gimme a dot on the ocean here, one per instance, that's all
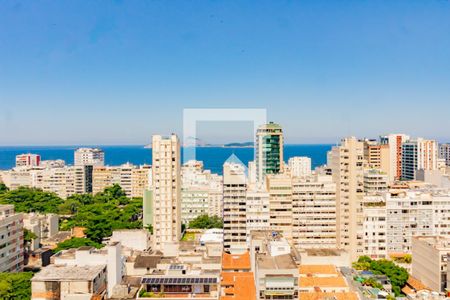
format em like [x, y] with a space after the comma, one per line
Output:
[212, 157]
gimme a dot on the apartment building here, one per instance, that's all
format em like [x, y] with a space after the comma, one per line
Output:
[89, 157]
[64, 181]
[269, 150]
[11, 239]
[418, 154]
[444, 153]
[422, 212]
[314, 212]
[429, 264]
[132, 179]
[194, 203]
[43, 226]
[375, 181]
[346, 162]
[257, 210]
[16, 178]
[377, 155]
[110, 256]
[166, 187]
[279, 187]
[234, 206]
[69, 282]
[300, 166]
[395, 142]
[28, 160]
[215, 196]
[323, 282]
[201, 192]
[141, 180]
[275, 265]
[375, 226]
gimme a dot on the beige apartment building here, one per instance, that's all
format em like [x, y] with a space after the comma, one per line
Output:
[429, 264]
[375, 181]
[377, 156]
[314, 212]
[132, 179]
[11, 239]
[347, 164]
[234, 205]
[257, 210]
[166, 177]
[279, 187]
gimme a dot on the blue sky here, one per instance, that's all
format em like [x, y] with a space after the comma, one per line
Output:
[99, 72]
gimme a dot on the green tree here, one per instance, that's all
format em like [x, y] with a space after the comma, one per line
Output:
[76, 243]
[206, 222]
[100, 214]
[15, 285]
[28, 200]
[28, 235]
[397, 275]
[3, 188]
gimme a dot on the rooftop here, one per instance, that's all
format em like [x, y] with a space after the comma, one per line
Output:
[318, 269]
[329, 296]
[323, 252]
[284, 261]
[235, 261]
[68, 273]
[147, 261]
[238, 286]
[326, 282]
[441, 243]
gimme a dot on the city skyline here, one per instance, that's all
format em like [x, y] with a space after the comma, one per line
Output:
[119, 72]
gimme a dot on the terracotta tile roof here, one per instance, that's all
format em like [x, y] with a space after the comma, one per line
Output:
[326, 296]
[236, 262]
[318, 269]
[414, 285]
[325, 282]
[238, 286]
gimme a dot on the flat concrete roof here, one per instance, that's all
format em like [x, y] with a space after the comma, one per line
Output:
[276, 262]
[68, 273]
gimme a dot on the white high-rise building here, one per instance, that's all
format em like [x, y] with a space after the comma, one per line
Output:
[166, 190]
[201, 192]
[11, 239]
[416, 213]
[418, 154]
[314, 212]
[347, 164]
[375, 226]
[28, 160]
[300, 166]
[257, 210]
[234, 205]
[89, 157]
[395, 142]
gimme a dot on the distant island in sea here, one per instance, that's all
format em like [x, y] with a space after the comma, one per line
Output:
[227, 145]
